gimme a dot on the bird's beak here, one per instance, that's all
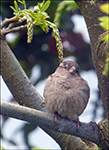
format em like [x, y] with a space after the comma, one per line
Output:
[72, 70]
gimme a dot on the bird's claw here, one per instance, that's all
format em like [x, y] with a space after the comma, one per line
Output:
[56, 116]
[78, 123]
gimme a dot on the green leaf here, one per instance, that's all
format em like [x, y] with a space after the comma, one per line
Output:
[44, 26]
[16, 5]
[45, 6]
[36, 9]
[44, 15]
[38, 17]
[104, 22]
[105, 8]
[106, 68]
[40, 5]
[12, 8]
[22, 2]
[72, 6]
[103, 18]
[106, 38]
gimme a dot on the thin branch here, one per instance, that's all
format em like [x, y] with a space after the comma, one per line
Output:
[16, 29]
[87, 131]
[13, 24]
[7, 21]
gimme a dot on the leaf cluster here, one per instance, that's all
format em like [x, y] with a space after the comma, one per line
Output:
[35, 17]
[105, 24]
[64, 6]
[105, 20]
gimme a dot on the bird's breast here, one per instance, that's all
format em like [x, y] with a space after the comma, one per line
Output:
[66, 96]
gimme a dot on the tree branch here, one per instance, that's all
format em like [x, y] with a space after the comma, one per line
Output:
[15, 29]
[17, 81]
[7, 21]
[12, 23]
[89, 131]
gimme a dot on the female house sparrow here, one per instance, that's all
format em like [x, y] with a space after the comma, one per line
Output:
[66, 92]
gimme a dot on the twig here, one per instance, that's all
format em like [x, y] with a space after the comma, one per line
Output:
[7, 21]
[16, 29]
[11, 25]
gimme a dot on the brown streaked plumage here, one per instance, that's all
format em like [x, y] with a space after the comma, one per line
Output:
[66, 93]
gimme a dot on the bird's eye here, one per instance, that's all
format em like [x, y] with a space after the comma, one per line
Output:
[65, 67]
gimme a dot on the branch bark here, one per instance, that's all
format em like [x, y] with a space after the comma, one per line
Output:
[91, 13]
[99, 50]
[89, 131]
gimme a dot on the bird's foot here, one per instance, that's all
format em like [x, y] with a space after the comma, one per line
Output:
[78, 123]
[56, 116]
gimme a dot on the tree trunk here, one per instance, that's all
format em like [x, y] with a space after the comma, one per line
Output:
[91, 13]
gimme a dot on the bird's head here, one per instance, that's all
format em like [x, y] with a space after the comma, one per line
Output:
[70, 66]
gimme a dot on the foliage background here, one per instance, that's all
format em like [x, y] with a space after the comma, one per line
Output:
[42, 51]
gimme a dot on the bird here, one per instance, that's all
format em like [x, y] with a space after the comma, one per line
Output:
[66, 93]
